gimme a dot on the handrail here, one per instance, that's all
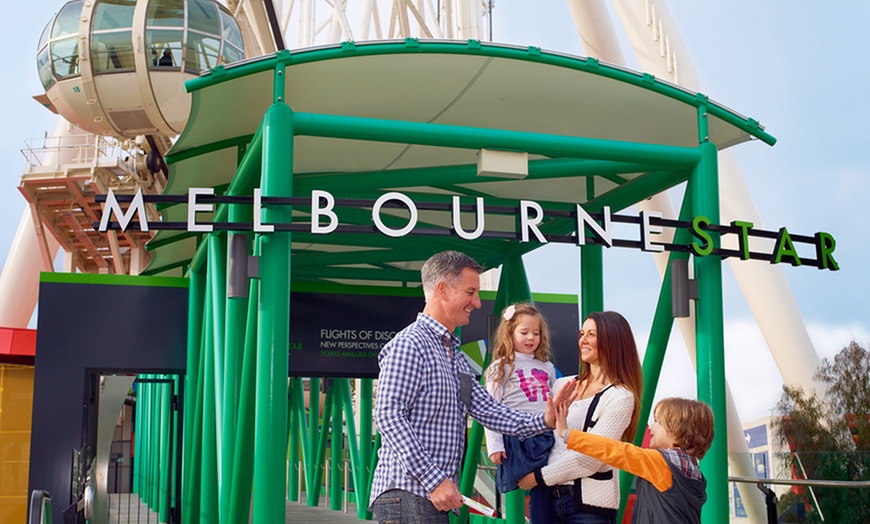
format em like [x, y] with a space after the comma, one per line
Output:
[805, 482]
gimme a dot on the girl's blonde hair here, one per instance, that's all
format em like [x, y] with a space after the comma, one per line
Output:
[503, 345]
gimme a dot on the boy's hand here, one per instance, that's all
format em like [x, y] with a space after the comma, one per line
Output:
[498, 457]
[562, 420]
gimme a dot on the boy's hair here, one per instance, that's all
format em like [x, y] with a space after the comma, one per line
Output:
[689, 421]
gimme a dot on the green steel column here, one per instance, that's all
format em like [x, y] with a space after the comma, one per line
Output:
[274, 318]
[709, 326]
[314, 422]
[513, 286]
[243, 457]
[336, 446]
[365, 445]
[217, 276]
[234, 342]
[165, 476]
[356, 468]
[208, 499]
[591, 269]
[591, 279]
[313, 491]
[137, 445]
[193, 477]
[196, 296]
[294, 439]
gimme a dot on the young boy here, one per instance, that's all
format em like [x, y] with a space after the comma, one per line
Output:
[670, 486]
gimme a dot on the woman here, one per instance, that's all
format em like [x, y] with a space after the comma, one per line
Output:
[585, 490]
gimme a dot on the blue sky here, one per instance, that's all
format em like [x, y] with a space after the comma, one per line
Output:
[798, 68]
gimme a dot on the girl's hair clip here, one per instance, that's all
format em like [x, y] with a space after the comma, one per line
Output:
[509, 312]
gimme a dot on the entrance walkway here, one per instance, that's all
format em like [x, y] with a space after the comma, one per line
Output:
[299, 512]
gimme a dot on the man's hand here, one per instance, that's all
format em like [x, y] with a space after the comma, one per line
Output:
[446, 496]
[498, 457]
[564, 397]
[528, 482]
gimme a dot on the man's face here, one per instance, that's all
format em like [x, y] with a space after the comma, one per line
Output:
[461, 299]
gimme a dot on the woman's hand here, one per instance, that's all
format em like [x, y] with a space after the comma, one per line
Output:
[498, 457]
[528, 482]
[566, 395]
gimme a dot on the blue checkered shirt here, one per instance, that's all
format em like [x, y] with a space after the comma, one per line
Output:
[420, 415]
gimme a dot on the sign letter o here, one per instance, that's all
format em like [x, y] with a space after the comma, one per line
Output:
[376, 214]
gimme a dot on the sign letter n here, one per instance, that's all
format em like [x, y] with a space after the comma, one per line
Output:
[112, 206]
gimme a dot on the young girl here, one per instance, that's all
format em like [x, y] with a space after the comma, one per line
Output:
[521, 377]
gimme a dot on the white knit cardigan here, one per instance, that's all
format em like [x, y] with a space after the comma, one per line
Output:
[611, 418]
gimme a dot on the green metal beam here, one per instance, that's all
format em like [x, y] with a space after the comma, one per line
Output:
[441, 135]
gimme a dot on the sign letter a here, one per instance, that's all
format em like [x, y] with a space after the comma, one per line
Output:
[112, 206]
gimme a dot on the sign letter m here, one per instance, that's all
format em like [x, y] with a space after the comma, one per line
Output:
[112, 206]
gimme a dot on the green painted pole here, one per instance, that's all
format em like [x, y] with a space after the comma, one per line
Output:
[193, 479]
[137, 445]
[591, 279]
[234, 343]
[196, 297]
[356, 468]
[153, 445]
[294, 440]
[591, 269]
[165, 476]
[336, 447]
[359, 128]
[273, 337]
[710, 333]
[217, 276]
[174, 470]
[313, 493]
[365, 396]
[513, 286]
[209, 507]
[243, 456]
[314, 422]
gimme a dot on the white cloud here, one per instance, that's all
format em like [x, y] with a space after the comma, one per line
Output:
[751, 371]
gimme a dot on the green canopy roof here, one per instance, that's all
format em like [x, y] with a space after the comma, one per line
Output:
[581, 122]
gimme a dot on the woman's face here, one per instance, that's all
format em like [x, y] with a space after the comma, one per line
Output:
[588, 342]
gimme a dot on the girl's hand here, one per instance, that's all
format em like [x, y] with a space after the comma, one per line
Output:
[498, 457]
[564, 397]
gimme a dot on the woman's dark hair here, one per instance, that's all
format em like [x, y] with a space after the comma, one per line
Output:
[618, 360]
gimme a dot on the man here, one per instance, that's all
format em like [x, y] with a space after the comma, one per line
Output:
[425, 391]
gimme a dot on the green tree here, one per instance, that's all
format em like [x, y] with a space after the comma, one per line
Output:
[829, 438]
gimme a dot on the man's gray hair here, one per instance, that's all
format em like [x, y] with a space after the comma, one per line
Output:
[446, 266]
